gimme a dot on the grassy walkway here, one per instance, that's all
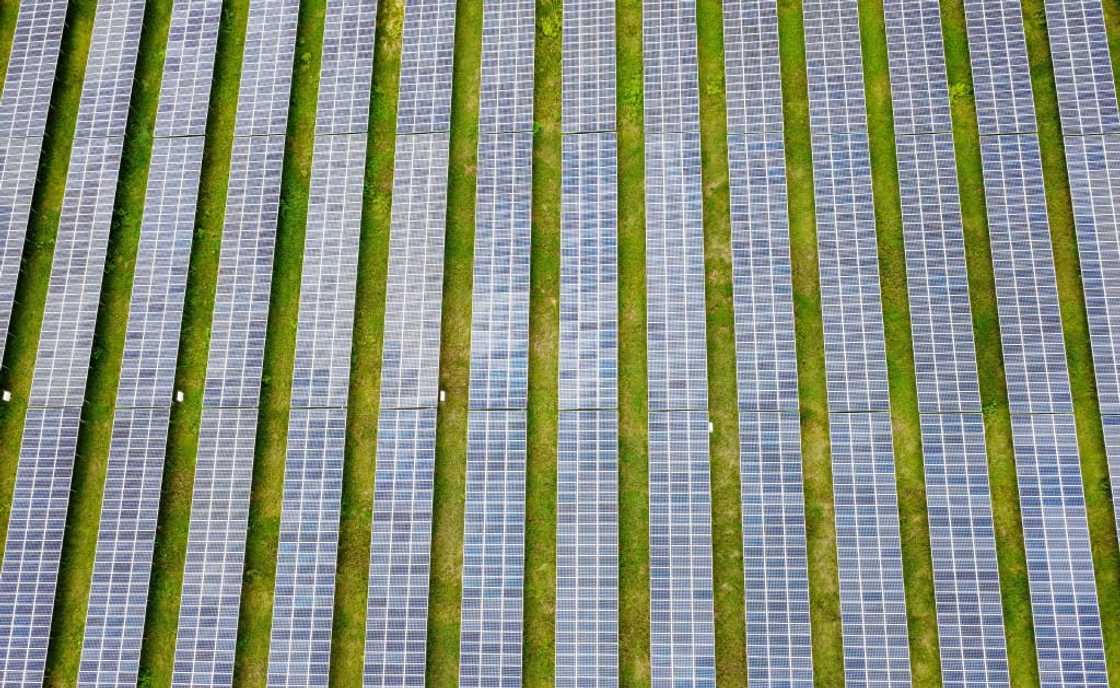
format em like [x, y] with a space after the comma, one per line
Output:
[352, 577]
[925, 664]
[455, 359]
[8, 14]
[544, 332]
[727, 528]
[824, 585]
[633, 474]
[1094, 463]
[1010, 550]
[83, 516]
[161, 623]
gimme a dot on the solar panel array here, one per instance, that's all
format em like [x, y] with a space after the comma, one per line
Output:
[494, 524]
[962, 532]
[1065, 611]
[872, 598]
[208, 611]
[1091, 130]
[400, 548]
[303, 601]
[42, 481]
[130, 504]
[682, 626]
[587, 451]
[24, 103]
[775, 563]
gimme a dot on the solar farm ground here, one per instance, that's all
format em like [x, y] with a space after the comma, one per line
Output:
[443, 631]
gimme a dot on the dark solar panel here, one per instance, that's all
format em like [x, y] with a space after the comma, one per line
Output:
[427, 52]
[347, 67]
[188, 68]
[26, 96]
[1000, 66]
[835, 68]
[506, 92]
[753, 72]
[919, 85]
[670, 72]
[266, 69]
[589, 66]
[1082, 67]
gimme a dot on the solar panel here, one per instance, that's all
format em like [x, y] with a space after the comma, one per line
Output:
[872, 598]
[188, 68]
[587, 549]
[1082, 67]
[919, 84]
[1026, 287]
[73, 294]
[107, 89]
[677, 325]
[397, 611]
[506, 92]
[753, 72]
[26, 96]
[1112, 452]
[19, 158]
[835, 68]
[1059, 556]
[936, 275]
[588, 352]
[215, 557]
[233, 373]
[330, 268]
[962, 542]
[266, 69]
[414, 287]
[680, 554]
[500, 311]
[36, 523]
[588, 66]
[347, 67]
[162, 260]
[855, 350]
[427, 53]
[775, 564]
[122, 567]
[766, 357]
[1000, 66]
[303, 603]
[670, 73]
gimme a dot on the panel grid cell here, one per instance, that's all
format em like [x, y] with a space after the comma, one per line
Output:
[1059, 553]
[427, 54]
[1082, 67]
[325, 326]
[110, 64]
[869, 549]
[397, 612]
[677, 319]
[753, 71]
[26, 95]
[1111, 425]
[19, 160]
[588, 365]
[835, 68]
[587, 550]
[307, 551]
[919, 85]
[122, 565]
[347, 67]
[589, 66]
[500, 310]
[215, 556]
[1000, 67]
[266, 71]
[188, 68]
[506, 91]
[670, 72]
[775, 563]
[765, 346]
[680, 530]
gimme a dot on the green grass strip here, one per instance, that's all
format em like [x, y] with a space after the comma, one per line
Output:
[1010, 551]
[723, 403]
[8, 13]
[917, 562]
[633, 445]
[38, 248]
[1112, 26]
[162, 616]
[91, 460]
[455, 355]
[820, 522]
[1090, 437]
[254, 624]
[352, 575]
[539, 650]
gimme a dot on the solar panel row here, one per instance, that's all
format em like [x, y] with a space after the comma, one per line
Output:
[587, 453]
[1082, 67]
[42, 481]
[775, 563]
[1065, 611]
[307, 552]
[872, 599]
[962, 532]
[400, 548]
[24, 102]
